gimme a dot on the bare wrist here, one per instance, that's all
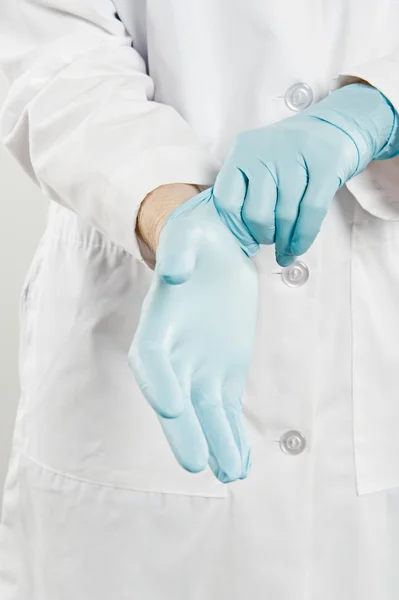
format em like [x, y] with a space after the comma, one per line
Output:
[156, 208]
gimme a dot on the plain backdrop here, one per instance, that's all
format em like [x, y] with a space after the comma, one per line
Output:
[22, 219]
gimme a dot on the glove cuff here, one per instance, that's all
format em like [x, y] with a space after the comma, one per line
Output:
[366, 116]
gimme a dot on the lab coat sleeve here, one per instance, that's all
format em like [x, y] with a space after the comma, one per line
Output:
[80, 116]
[377, 187]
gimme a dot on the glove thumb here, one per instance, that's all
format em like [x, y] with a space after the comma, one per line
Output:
[176, 253]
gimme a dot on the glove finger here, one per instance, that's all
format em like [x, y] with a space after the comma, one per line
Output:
[157, 380]
[224, 460]
[232, 402]
[187, 440]
[312, 211]
[229, 194]
[259, 207]
[290, 193]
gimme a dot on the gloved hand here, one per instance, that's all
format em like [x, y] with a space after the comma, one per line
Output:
[278, 182]
[192, 348]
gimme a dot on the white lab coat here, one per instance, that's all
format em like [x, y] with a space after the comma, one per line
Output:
[100, 111]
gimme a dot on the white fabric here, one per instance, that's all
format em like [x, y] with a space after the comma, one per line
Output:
[95, 506]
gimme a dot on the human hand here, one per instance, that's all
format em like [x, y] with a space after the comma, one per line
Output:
[278, 182]
[192, 348]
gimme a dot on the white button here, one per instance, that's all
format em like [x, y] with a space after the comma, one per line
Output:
[299, 96]
[296, 274]
[292, 442]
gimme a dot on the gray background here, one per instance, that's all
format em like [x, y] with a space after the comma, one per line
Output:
[22, 220]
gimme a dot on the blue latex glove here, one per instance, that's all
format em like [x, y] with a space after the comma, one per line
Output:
[278, 182]
[193, 345]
